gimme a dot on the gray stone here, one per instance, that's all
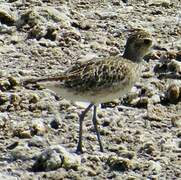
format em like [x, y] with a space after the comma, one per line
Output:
[5, 176]
[56, 157]
[164, 3]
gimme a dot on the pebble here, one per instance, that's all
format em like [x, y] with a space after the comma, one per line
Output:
[127, 154]
[155, 167]
[55, 157]
[164, 3]
[3, 98]
[177, 145]
[155, 99]
[13, 81]
[25, 134]
[38, 127]
[156, 112]
[4, 85]
[105, 14]
[22, 133]
[38, 31]
[64, 104]
[55, 124]
[179, 134]
[148, 148]
[7, 176]
[119, 164]
[173, 93]
[82, 24]
[7, 16]
[22, 152]
[37, 141]
[176, 121]
[15, 99]
[34, 98]
[174, 66]
[140, 102]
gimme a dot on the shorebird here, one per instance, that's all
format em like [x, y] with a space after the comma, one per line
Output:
[100, 80]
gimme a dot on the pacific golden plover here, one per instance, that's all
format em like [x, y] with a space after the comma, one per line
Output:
[101, 80]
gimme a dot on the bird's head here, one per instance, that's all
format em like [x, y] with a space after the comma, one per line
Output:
[138, 45]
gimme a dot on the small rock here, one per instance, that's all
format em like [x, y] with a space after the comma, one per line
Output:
[54, 158]
[148, 148]
[6, 15]
[173, 93]
[34, 98]
[116, 2]
[174, 66]
[4, 85]
[60, 14]
[160, 68]
[30, 17]
[22, 151]
[7, 176]
[119, 164]
[51, 33]
[13, 145]
[155, 167]
[106, 14]
[22, 133]
[38, 31]
[179, 134]
[164, 3]
[131, 96]
[25, 134]
[72, 116]
[147, 75]
[54, 124]
[155, 99]
[69, 37]
[83, 24]
[37, 141]
[177, 145]
[156, 112]
[127, 154]
[64, 104]
[140, 102]
[15, 99]
[3, 98]
[13, 81]
[176, 121]
[38, 127]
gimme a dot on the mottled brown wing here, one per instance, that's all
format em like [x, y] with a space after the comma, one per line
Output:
[97, 74]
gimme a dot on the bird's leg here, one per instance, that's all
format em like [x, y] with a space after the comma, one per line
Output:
[94, 120]
[81, 118]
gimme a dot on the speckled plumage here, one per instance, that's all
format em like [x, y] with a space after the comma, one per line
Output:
[98, 81]
[101, 79]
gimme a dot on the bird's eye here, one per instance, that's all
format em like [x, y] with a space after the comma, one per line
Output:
[147, 41]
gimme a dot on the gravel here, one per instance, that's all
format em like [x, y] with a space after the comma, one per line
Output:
[39, 131]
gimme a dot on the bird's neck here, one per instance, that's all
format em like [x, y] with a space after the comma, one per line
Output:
[133, 56]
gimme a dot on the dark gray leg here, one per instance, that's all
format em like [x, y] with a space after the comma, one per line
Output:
[94, 120]
[81, 118]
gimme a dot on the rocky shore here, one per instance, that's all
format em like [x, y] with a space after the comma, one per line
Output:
[141, 133]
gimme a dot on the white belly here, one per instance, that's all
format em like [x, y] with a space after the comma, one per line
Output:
[96, 97]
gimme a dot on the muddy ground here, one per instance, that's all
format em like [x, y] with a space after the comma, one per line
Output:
[141, 133]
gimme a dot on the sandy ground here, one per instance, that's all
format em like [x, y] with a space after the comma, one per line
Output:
[141, 133]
